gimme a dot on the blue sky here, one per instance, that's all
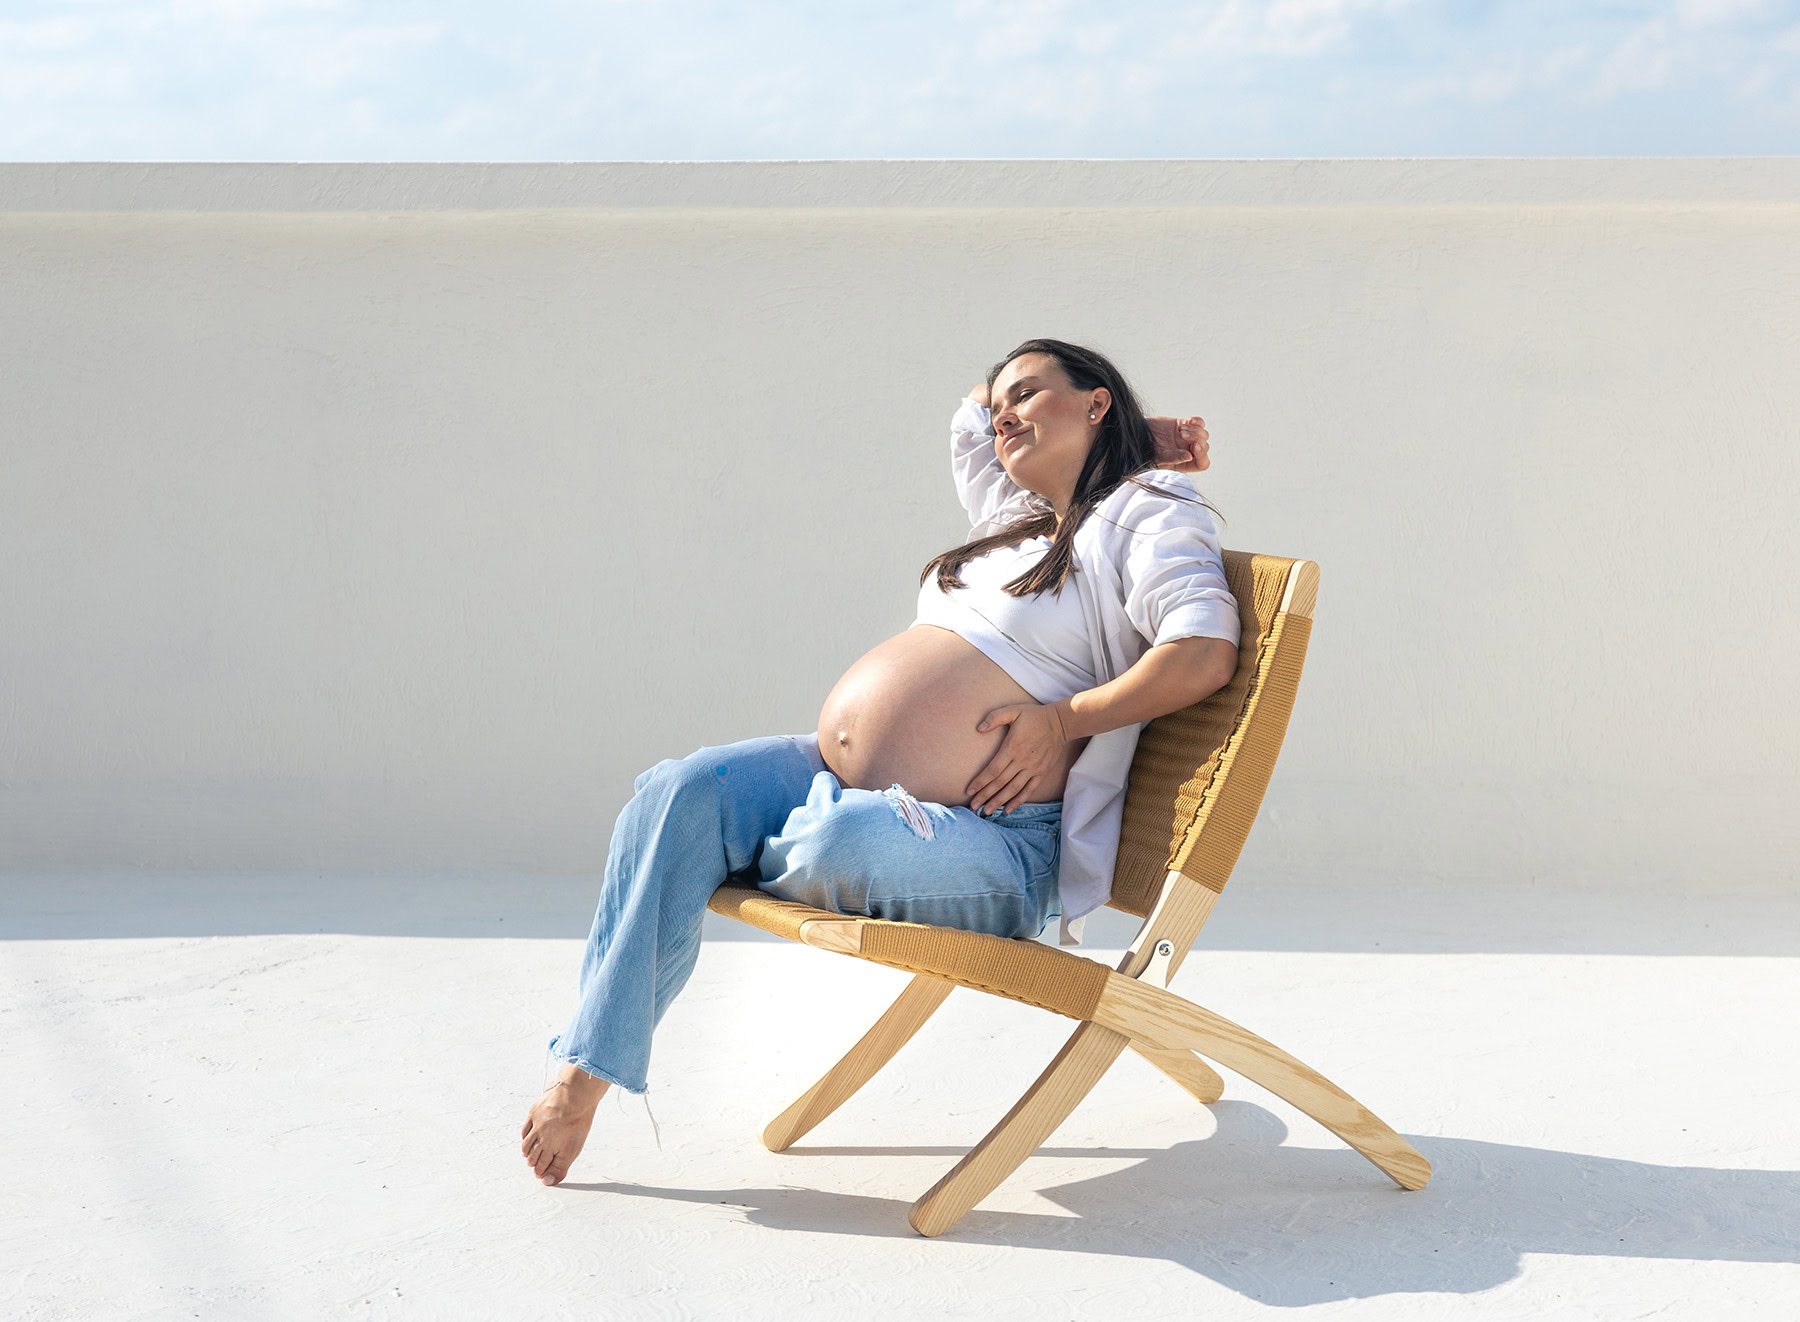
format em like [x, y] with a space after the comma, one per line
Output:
[645, 80]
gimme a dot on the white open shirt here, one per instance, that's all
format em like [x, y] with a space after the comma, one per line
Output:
[1151, 572]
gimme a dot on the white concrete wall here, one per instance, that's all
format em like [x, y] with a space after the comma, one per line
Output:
[392, 518]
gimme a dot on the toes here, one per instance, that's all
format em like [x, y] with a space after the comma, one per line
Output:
[556, 1173]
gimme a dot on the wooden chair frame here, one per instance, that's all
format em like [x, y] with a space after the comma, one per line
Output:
[1130, 1005]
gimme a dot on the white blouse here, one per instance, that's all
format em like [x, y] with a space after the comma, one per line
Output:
[1039, 639]
[1151, 572]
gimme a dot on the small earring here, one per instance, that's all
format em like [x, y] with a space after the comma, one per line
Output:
[1090, 417]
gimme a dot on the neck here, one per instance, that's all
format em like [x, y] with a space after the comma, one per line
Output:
[1059, 499]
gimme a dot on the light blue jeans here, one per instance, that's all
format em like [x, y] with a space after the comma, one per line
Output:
[768, 811]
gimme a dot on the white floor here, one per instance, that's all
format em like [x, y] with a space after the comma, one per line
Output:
[300, 1098]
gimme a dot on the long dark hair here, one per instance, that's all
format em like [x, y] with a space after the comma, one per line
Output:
[1122, 449]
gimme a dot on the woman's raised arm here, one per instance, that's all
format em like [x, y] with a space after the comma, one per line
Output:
[982, 481]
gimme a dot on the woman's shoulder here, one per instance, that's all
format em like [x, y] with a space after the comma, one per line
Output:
[1166, 478]
[1157, 504]
[1152, 488]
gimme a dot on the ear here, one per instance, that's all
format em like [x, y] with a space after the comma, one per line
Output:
[1099, 402]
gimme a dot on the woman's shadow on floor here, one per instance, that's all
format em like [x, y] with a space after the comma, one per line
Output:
[1291, 1226]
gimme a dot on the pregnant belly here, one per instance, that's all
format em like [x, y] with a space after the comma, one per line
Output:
[906, 713]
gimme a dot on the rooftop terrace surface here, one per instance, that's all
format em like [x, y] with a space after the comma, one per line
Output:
[274, 1097]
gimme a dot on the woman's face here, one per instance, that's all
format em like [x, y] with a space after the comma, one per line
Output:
[1042, 431]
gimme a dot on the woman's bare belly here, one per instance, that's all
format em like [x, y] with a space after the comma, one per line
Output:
[906, 713]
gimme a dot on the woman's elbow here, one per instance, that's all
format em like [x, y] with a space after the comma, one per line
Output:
[1211, 661]
[1218, 663]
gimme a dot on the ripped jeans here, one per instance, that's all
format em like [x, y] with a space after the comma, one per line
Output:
[769, 811]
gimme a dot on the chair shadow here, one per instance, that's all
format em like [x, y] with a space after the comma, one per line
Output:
[1293, 1226]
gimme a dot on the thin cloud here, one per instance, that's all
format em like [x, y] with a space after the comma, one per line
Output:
[705, 79]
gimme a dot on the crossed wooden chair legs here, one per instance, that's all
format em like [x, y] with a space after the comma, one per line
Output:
[1164, 1028]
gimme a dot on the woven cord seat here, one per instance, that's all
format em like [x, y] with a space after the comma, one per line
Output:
[1027, 971]
[1197, 781]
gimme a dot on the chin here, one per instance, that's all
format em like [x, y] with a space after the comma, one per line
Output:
[1023, 479]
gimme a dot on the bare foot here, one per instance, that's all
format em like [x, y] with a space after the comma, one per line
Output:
[558, 1123]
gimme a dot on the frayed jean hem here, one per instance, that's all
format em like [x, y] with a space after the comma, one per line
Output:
[588, 1067]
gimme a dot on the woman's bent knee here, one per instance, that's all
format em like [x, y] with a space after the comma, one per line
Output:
[845, 826]
[820, 857]
[684, 774]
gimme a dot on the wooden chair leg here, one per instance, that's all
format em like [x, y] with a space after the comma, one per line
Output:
[892, 1031]
[1165, 1020]
[1201, 1080]
[1087, 1055]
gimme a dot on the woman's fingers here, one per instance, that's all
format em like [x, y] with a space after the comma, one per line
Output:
[983, 779]
[1014, 791]
[1010, 782]
[1193, 440]
[977, 798]
[988, 785]
[1181, 444]
[996, 718]
[1023, 795]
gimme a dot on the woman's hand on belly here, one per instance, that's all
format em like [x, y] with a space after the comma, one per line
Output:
[907, 713]
[1034, 755]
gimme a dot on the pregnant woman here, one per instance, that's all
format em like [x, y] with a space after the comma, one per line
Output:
[968, 772]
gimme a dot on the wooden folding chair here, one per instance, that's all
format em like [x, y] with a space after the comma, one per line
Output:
[1197, 779]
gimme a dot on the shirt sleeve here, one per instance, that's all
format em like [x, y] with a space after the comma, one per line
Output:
[1173, 571]
[981, 481]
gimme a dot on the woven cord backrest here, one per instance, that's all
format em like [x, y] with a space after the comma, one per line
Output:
[1199, 774]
